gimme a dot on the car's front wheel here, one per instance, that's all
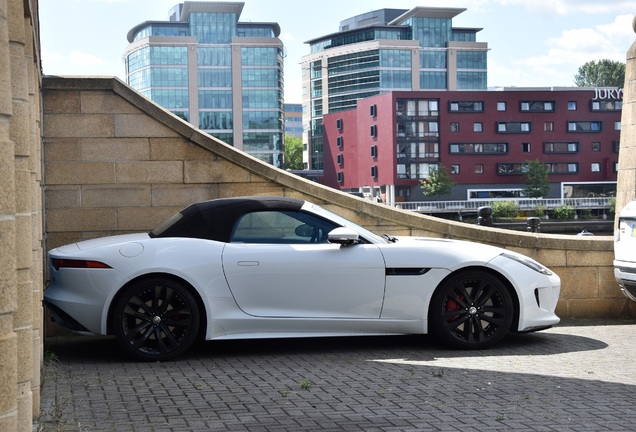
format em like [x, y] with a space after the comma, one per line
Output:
[156, 319]
[471, 310]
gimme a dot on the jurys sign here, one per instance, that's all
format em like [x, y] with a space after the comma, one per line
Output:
[608, 93]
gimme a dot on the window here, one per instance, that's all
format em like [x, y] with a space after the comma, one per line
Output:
[454, 127]
[513, 127]
[479, 168]
[501, 106]
[374, 171]
[339, 124]
[281, 227]
[340, 159]
[374, 151]
[339, 142]
[617, 126]
[585, 126]
[607, 105]
[560, 147]
[374, 131]
[537, 106]
[511, 168]
[571, 106]
[525, 147]
[478, 127]
[562, 168]
[466, 106]
[340, 177]
[548, 127]
[373, 110]
[481, 148]
[617, 145]
[596, 146]
[454, 169]
[596, 167]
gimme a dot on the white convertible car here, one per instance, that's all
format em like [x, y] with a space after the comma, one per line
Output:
[272, 267]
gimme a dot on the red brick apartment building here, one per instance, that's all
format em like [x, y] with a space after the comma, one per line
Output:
[391, 141]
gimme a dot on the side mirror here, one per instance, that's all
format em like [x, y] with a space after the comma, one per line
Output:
[343, 236]
[304, 230]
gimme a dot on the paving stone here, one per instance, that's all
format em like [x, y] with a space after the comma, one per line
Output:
[569, 378]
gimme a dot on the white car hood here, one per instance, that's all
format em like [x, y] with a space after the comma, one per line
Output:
[438, 253]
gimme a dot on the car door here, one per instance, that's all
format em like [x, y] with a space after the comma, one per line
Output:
[278, 264]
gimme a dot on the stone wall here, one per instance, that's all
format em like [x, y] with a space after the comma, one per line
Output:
[20, 216]
[626, 184]
[116, 162]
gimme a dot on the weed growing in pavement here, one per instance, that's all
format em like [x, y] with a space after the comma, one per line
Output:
[306, 384]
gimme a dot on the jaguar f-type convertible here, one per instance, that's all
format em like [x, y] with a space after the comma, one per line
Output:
[274, 267]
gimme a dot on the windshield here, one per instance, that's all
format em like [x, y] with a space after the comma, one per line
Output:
[365, 233]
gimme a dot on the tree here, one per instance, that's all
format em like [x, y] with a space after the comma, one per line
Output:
[293, 153]
[604, 73]
[537, 184]
[438, 183]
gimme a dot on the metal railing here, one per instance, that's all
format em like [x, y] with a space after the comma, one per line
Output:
[522, 204]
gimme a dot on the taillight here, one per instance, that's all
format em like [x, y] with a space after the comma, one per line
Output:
[59, 263]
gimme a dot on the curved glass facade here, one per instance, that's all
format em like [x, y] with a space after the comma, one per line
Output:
[157, 55]
[162, 30]
[213, 28]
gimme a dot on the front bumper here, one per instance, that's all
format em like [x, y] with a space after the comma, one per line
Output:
[625, 274]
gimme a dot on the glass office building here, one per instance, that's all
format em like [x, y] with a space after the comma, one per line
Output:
[222, 75]
[382, 51]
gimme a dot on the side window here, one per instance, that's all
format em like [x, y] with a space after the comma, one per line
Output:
[281, 227]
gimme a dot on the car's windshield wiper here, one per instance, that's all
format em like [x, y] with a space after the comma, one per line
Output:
[389, 238]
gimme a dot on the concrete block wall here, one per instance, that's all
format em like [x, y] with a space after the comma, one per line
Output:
[21, 274]
[116, 162]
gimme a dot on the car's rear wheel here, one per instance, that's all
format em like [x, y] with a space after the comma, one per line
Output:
[156, 319]
[471, 310]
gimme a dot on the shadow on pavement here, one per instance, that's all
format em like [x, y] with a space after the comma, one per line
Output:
[106, 349]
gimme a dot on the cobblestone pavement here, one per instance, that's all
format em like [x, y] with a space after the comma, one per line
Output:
[578, 376]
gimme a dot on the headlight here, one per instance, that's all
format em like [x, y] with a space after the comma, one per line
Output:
[528, 262]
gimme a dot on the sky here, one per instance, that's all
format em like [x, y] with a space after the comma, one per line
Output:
[533, 43]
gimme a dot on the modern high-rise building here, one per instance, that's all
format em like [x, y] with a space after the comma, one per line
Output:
[382, 51]
[222, 75]
[294, 120]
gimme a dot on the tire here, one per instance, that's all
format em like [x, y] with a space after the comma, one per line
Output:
[156, 319]
[471, 310]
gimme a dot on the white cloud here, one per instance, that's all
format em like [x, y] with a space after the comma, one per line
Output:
[575, 47]
[51, 56]
[79, 58]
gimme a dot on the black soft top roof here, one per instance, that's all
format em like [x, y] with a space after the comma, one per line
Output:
[214, 219]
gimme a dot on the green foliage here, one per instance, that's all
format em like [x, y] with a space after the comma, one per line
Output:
[504, 210]
[604, 73]
[537, 184]
[438, 183]
[539, 211]
[293, 153]
[563, 212]
[612, 206]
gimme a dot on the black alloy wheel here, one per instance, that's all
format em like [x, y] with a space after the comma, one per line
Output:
[156, 319]
[471, 310]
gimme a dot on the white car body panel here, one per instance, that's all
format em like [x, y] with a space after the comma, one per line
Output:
[625, 251]
[310, 281]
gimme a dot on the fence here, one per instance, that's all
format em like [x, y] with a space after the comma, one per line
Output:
[599, 203]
